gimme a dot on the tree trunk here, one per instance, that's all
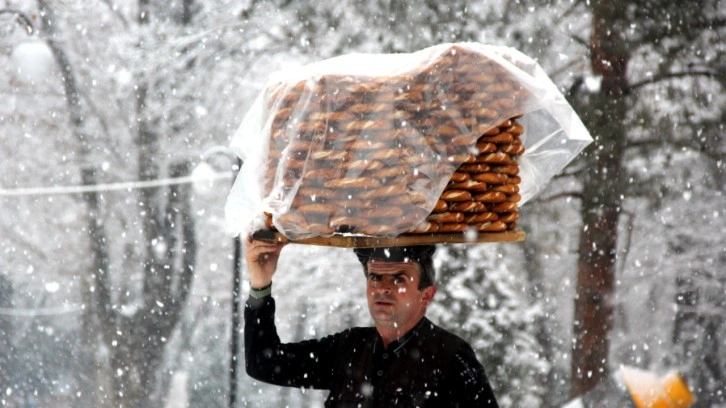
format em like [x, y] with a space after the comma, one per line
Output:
[601, 204]
[135, 343]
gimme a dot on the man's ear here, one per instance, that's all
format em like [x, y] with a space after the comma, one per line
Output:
[427, 294]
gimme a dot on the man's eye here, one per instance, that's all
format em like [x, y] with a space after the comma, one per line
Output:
[399, 280]
[374, 278]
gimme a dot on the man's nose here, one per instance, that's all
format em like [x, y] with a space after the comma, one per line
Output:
[385, 285]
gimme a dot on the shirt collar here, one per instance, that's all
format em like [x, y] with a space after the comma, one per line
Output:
[397, 345]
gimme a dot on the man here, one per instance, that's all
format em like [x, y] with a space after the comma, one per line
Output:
[404, 361]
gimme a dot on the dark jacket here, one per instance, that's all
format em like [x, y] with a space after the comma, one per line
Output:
[428, 367]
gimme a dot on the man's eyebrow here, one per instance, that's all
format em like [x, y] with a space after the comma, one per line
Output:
[395, 275]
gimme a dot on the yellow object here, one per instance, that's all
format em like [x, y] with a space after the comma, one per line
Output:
[649, 391]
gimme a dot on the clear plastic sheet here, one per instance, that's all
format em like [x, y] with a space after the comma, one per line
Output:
[366, 143]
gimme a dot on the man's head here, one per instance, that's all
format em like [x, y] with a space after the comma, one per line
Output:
[399, 286]
[419, 254]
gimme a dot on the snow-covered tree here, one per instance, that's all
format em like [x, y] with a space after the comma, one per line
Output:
[484, 300]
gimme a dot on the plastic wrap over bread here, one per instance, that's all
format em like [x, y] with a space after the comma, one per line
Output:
[367, 144]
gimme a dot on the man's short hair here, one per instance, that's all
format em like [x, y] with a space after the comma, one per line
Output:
[421, 254]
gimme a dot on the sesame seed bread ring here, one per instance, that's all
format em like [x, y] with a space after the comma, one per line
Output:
[491, 197]
[292, 164]
[363, 165]
[469, 106]
[489, 130]
[362, 144]
[334, 116]
[311, 126]
[424, 228]
[367, 125]
[446, 217]
[407, 96]
[463, 158]
[482, 78]
[441, 206]
[465, 87]
[424, 123]
[387, 154]
[499, 138]
[515, 198]
[447, 114]
[509, 217]
[362, 87]
[505, 207]
[354, 183]
[490, 178]
[463, 139]
[458, 177]
[351, 205]
[405, 198]
[446, 130]
[485, 114]
[500, 87]
[453, 227]
[423, 87]
[506, 124]
[346, 221]
[494, 158]
[317, 193]
[494, 226]
[300, 146]
[382, 212]
[376, 229]
[516, 129]
[507, 188]
[382, 192]
[336, 155]
[471, 185]
[317, 208]
[515, 149]
[369, 108]
[456, 195]
[468, 207]
[390, 172]
[474, 169]
[504, 104]
[506, 169]
[486, 147]
[478, 218]
[291, 219]
[323, 174]
[469, 122]
[282, 115]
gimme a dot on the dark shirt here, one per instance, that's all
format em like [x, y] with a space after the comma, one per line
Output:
[427, 367]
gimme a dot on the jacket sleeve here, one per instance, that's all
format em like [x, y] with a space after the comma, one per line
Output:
[468, 383]
[305, 364]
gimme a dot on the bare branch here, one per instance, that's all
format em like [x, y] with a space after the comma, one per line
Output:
[676, 144]
[565, 195]
[628, 237]
[21, 18]
[671, 75]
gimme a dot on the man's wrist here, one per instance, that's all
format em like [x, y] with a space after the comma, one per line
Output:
[258, 293]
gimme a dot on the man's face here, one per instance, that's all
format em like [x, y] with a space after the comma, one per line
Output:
[394, 299]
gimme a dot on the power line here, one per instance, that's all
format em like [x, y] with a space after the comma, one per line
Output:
[46, 311]
[129, 185]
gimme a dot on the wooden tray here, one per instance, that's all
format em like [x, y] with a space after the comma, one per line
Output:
[352, 241]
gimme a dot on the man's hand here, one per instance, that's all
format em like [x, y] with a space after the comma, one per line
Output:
[261, 257]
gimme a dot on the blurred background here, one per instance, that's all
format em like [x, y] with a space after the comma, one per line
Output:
[117, 279]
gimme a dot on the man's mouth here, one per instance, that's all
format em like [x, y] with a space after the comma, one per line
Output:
[383, 302]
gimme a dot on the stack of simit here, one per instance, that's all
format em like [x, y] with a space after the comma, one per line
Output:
[430, 150]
